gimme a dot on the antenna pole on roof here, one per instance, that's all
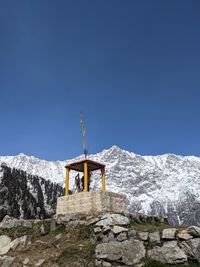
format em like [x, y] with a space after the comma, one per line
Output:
[85, 147]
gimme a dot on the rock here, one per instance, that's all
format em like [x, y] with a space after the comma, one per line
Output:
[128, 252]
[192, 248]
[154, 237]
[132, 233]
[194, 231]
[93, 221]
[132, 251]
[70, 217]
[106, 264]
[168, 253]
[113, 219]
[97, 230]
[20, 241]
[5, 242]
[40, 262]
[169, 234]
[118, 229]
[121, 237]
[111, 236]
[143, 235]
[7, 261]
[28, 223]
[7, 222]
[109, 251]
[104, 223]
[120, 219]
[26, 261]
[183, 235]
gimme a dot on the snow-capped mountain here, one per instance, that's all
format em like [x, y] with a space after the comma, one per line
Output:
[165, 185]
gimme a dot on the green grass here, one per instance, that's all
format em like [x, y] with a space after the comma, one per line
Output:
[60, 229]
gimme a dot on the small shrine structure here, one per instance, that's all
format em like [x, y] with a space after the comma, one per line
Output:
[85, 166]
[89, 202]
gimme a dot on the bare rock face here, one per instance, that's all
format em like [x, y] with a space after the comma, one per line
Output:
[128, 252]
[192, 248]
[168, 253]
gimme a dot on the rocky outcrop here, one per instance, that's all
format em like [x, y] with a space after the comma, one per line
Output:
[148, 181]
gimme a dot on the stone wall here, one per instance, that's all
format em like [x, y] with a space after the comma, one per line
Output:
[91, 203]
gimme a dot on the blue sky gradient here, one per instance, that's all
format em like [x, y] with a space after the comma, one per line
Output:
[132, 67]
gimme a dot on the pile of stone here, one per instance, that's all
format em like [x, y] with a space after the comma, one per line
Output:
[116, 243]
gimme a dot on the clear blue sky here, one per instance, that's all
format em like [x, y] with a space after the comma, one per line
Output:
[132, 67]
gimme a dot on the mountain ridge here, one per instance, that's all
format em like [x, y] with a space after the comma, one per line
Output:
[166, 185]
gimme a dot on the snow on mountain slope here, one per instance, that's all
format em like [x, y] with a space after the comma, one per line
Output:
[165, 185]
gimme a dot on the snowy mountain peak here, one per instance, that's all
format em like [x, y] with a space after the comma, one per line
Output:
[165, 185]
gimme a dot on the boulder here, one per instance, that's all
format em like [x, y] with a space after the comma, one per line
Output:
[118, 229]
[7, 222]
[154, 237]
[183, 235]
[113, 219]
[169, 234]
[5, 242]
[132, 252]
[192, 248]
[168, 253]
[128, 252]
[194, 231]
[109, 251]
[143, 235]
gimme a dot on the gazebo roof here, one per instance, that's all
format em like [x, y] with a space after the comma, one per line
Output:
[79, 165]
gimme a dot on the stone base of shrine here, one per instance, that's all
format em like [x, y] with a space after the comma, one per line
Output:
[91, 203]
